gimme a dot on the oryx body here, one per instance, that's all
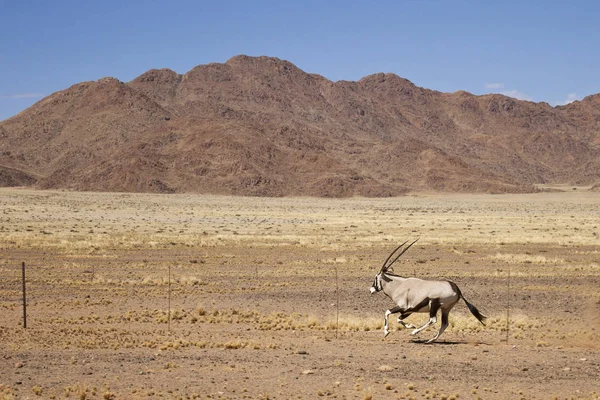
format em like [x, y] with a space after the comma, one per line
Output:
[413, 295]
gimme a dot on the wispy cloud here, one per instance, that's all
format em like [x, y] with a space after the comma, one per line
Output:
[494, 85]
[517, 95]
[22, 96]
[498, 87]
[571, 97]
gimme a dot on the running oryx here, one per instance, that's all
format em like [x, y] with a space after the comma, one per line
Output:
[413, 295]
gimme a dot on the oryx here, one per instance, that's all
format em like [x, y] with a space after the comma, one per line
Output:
[413, 295]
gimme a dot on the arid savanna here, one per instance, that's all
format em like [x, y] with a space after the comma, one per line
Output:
[138, 296]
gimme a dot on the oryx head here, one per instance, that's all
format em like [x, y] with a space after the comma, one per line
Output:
[377, 284]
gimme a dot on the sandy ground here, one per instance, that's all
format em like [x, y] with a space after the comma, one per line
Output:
[179, 297]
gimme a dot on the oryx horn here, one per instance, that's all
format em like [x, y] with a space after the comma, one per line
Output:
[383, 267]
[402, 252]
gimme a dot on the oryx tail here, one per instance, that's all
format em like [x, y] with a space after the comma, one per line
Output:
[480, 317]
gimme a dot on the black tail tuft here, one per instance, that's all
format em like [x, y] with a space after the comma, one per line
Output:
[480, 317]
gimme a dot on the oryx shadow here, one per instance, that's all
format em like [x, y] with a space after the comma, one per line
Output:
[449, 342]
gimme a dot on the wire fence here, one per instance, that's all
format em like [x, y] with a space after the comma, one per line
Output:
[32, 294]
[69, 292]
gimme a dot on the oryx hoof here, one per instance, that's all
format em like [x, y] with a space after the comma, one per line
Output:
[385, 333]
[414, 332]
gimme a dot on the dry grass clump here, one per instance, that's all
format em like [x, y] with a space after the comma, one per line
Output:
[8, 392]
[354, 323]
[526, 259]
[519, 322]
[275, 321]
[80, 391]
[181, 344]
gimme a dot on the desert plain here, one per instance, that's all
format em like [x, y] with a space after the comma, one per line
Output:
[182, 296]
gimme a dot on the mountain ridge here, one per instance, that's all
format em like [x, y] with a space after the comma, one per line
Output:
[260, 126]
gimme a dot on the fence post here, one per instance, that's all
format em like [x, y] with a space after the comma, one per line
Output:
[337, 303]
[24, 297]
[508, 305]
[169, 301]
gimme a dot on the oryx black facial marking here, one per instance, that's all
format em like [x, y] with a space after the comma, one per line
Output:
[413, 295]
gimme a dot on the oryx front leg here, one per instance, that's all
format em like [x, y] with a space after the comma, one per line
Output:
[386, 326]
[434, 306]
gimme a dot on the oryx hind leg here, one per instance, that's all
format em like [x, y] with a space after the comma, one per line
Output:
[434, 306]
[404, 324]
[443, 327]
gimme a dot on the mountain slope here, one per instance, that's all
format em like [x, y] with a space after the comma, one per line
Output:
[261, 126]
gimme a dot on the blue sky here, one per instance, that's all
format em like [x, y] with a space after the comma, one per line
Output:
[538, 50]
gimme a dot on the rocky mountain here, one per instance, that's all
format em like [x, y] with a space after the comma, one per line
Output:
[260, 126]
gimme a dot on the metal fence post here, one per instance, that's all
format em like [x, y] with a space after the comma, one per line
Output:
[24, 297]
